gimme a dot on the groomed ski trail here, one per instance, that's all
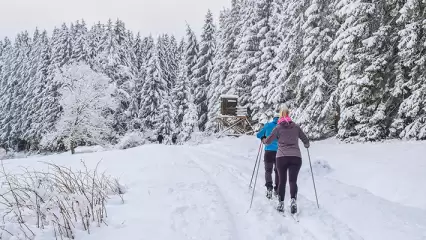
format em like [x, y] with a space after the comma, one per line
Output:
[271, 227]
[347, 212]
[201, 192]
[314, 223]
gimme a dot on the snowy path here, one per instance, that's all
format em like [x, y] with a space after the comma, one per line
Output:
[201, 192]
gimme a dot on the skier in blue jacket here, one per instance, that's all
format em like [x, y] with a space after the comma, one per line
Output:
[269, 158]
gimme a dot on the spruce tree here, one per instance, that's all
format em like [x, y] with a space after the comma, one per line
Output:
[410, 84]
[202, 70]
[265, 18]
[245, 67]
[318, 74]
[191, 51]
[180, 94]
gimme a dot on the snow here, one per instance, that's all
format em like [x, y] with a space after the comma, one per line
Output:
[228, 96]
[366, 191]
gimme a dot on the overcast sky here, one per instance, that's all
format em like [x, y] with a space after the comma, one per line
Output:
[146, 16]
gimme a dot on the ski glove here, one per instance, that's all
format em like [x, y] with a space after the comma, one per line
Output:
[307, 145]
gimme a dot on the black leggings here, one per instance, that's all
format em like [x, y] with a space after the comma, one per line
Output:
[292, 164]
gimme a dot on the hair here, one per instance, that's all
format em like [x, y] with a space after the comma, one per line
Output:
[284, 111]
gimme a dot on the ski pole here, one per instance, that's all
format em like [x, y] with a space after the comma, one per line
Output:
[255, 181]
[254, 168]
[313, 180]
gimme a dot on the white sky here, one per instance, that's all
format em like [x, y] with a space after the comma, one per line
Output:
[147, 16]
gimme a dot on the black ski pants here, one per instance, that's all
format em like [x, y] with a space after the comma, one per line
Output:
[292, 165]
[270, 163]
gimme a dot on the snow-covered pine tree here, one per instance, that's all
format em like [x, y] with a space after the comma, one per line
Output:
[410, 85]
[154, 92]
[266, 19]
[116, 60]
[6, 61]
[80, 46]
[315, 109]
[85, 98]
[173, 59]
[245, 67]
[202, 70]
[360, 86]
[220, 70]
[379, 74]
[191, 52]
[164, 120]
[289, 59]
[18, 84]
[33, 99]
[93, 42]
[180, 94]
[42, 87]
[225, 56]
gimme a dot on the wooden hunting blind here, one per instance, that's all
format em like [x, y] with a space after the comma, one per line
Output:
[233, 119]
[229, 105]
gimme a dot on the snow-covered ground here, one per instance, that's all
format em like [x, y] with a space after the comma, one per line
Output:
[366, 191]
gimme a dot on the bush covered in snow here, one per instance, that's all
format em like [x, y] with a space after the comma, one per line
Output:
[59, 201]
[134, 139]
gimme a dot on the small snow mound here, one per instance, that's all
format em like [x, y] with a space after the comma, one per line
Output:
[89, 149]
[321, 167]
[2, 153]
[198, 138]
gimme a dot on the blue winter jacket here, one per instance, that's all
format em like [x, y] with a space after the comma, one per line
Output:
[266, 131]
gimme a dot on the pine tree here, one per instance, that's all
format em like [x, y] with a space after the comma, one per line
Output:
[410, 84]
[42, 88]
[5, 93]
[202, 70]
[174, 57]
[80, 46]
[245, 68]
[180, 94]
[289, 59]
[191, 51]
[314, 112]
[116, 59]
[19, 80]
[94, 47]
[358, 66]
[154, 92]
[220, 80]
[264, 29]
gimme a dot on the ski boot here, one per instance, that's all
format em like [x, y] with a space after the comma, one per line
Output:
[269, 193]
[276, 193]
[280, 207]
[293, 206]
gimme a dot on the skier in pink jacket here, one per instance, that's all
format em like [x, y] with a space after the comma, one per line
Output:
[288, 156]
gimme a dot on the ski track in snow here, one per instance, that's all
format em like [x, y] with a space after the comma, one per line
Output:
[201, 192]
[313, 223]
[389, 220]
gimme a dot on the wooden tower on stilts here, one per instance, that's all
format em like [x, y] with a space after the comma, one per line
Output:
[233, 119]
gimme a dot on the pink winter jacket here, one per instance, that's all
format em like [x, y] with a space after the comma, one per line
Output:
[288, 134]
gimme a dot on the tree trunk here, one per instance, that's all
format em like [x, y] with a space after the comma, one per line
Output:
[72, 147]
